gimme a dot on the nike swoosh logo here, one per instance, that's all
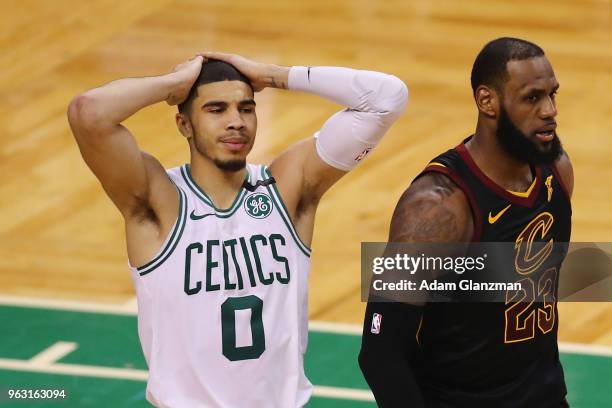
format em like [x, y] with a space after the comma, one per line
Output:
[493, 218]
[196, 217]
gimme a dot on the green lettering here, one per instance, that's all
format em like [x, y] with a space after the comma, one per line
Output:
[187, 287]
[210, 265]
[254, 239]
[282, 279]
[247, 260]
[228, 328]
[232, 245]
[226, 268]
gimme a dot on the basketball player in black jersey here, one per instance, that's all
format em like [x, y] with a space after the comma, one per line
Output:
[510, 181]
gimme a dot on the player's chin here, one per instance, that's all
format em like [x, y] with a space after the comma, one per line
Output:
[230, 164]
[233, 155]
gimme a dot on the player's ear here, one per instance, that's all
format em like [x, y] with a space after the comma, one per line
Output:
[184, 125]
[487, 101]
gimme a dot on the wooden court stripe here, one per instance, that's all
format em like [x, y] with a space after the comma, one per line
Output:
[330, 327]
[54, 353]
[143, 375]
[70, 305]
[342, 393]
[314, 325]
[590, 349]
[75, 369]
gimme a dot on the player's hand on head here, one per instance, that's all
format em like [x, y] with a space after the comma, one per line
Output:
[184, 75]
[257, 72]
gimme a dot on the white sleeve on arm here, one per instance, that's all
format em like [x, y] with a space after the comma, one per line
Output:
[373, 100]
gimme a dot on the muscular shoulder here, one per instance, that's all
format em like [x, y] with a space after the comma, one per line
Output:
[159, 204]
[150, 219]
[432, 209]
[566, 171]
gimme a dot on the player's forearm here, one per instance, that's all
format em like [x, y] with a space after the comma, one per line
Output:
[391, 380]
[387, 346]
[365, 91]
[375, 102]
[276, 76]
[116, 101]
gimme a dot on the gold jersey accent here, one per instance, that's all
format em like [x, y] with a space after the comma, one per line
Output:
[548, 185]
[493, 218]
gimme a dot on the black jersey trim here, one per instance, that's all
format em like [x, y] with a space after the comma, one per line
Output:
[263, 183]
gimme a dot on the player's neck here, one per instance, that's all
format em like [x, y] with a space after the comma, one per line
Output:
[221, 186]
[496, 163]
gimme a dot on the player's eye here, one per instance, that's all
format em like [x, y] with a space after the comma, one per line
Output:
[215, 110]
[532, 98]
[247, 110]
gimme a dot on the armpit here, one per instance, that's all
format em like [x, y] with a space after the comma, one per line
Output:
[142, 211]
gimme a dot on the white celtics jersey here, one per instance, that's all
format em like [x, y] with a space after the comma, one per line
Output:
[222, 308]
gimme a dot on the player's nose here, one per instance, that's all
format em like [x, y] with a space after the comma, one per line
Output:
[234, 120]
[548, 109]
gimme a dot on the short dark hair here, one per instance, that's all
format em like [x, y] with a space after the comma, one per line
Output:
[490, 65]
[212, 71]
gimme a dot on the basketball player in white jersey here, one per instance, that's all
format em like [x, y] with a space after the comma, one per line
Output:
[218, 248]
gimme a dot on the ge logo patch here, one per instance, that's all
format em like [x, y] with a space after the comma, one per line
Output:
[258, 205]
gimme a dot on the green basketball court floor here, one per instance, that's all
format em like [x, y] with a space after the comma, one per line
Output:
[92, 352]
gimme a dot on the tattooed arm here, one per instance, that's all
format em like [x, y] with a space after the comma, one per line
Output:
[433, 209]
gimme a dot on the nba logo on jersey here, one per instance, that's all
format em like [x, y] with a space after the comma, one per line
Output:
[376, 319]
[363, 154]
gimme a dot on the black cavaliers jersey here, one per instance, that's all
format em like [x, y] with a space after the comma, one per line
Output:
[501, 354]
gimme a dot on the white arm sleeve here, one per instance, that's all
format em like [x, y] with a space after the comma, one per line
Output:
[373, 100]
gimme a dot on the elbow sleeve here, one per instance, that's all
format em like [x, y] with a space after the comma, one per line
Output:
[374, 102]
[366, 91]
